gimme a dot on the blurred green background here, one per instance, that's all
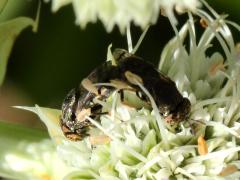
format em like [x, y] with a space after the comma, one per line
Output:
[44, 66]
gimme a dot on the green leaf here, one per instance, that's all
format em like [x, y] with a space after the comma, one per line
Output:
[15, 132]
[8, 32]
[2, 5]
[51, 118]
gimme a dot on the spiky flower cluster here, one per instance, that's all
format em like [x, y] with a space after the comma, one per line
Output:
[135, 144]
[136, 147]
[122, 13]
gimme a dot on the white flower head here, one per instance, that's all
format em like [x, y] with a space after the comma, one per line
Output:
[122, 13]
[137, 144]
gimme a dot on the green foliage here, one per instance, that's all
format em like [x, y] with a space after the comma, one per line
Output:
[8, 32]
[10, 132]
[2, 5]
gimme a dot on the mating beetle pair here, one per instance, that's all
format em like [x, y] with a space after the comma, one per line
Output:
[126, 74]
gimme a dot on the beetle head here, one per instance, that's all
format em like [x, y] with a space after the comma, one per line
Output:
[180, 113]
[73, 122]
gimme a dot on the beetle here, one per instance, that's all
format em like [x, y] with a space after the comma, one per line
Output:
[171, 104]
[79, 102]
[129, 68]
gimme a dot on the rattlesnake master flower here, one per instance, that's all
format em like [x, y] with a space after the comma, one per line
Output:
[122, 13]
[136, 144]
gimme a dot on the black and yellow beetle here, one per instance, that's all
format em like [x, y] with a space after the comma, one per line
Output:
[128, 69]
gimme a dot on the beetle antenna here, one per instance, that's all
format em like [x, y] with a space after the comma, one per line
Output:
[140, 40]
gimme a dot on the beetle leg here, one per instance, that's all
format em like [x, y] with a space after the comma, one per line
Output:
[99, 90]
[121, 92]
